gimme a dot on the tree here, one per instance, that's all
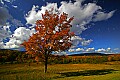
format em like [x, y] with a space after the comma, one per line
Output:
[52, 34]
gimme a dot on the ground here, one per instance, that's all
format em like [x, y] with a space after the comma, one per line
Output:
[104, 71]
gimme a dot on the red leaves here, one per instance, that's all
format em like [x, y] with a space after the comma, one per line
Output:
[70, 19]
[72, 33]
[51, 30]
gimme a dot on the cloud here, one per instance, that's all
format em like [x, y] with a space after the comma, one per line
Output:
[108, 50]
[1, 45]
[76, 40]
[9, 1]
[79, 50]
[4, 25]
[4, 15]
[14, 6]
[34, 15]
[60, 53]
[16, 22]
[23, 33]
[90, 50]
[71, 50]
[1, 1]
[4, 32]
[81, 41]
[6, 22]
[100, 50]
[103, 16]
[20, 34]
[83, 13]
[116, 49]
[86, 42]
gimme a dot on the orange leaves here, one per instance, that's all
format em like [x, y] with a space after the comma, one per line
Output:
[52, 34]
[70, 19]
[72, 33]
[38, 22]
[63, 17]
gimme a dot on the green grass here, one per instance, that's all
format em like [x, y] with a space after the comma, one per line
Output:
[105, 71]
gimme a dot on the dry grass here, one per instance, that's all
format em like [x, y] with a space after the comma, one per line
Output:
[106, 71]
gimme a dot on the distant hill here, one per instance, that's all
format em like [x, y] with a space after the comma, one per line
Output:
[9, 50]
[7, 55]
[79, 54]
[89, 54]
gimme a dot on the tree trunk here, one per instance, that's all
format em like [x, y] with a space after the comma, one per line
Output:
[46, 62]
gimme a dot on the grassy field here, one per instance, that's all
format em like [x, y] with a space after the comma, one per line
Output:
[105, 71]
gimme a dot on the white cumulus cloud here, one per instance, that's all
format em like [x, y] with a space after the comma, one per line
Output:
[20, 34]
[103, 16]
[100, 50]
[82, 41]
[34, 15]
[5, 20]
[108, 50]
[71, 50]
[79, 50]
[83, 13]
[90, 50]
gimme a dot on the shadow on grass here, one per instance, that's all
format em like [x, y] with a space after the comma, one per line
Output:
[86, 73]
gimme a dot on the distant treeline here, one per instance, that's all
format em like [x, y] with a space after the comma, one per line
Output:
[14, 56]
[84, 59]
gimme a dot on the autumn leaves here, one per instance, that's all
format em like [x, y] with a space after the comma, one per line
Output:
[52, 34]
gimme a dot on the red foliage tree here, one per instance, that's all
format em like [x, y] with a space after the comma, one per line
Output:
[52, 34]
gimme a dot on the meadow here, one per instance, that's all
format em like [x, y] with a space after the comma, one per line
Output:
[84, 71]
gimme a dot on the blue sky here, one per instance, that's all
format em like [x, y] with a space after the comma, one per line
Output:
[96, 23]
